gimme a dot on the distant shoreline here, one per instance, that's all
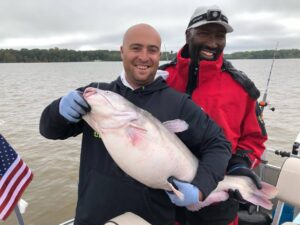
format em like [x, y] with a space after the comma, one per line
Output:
[65, 55]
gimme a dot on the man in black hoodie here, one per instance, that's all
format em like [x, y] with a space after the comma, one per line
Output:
[105, 191]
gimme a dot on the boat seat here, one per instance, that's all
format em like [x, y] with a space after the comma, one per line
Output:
[288, 185]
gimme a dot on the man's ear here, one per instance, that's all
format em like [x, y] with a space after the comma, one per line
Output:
[121, 51]
[187, 35]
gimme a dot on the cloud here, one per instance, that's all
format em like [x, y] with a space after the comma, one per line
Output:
[99, 24]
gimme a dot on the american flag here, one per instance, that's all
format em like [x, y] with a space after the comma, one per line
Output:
[14, 178]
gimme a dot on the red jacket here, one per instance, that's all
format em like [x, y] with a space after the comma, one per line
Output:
[226, 101]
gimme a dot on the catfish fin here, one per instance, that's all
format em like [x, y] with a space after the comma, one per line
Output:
[176, 125]
[269, 190]
[212, 198]
[261, 197]
[176, 192]
[135, 133]
[260, 200]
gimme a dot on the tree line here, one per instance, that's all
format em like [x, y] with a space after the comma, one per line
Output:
[265, 54]
[65, 55]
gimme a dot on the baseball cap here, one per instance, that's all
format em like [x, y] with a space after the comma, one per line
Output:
[207, 15]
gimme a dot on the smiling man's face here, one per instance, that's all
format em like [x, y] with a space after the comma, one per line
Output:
[206, 42]
[140, 54]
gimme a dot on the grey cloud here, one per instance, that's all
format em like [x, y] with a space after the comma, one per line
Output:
[104, 22]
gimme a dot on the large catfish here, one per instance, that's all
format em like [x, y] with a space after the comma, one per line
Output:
[150, 152]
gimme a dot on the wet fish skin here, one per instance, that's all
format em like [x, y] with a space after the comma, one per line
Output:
[139, 143]
[247, 189]
[150, 152]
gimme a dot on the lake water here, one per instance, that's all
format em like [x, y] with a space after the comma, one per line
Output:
[25, 90]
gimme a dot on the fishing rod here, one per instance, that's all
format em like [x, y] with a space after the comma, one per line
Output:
[263, 103]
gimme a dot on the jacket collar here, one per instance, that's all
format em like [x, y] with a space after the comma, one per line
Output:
[159, 83]
[159, 73]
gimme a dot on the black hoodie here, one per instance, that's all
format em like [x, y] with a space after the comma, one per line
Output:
[105, 191]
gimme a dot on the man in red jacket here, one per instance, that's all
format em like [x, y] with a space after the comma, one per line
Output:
[227, 95]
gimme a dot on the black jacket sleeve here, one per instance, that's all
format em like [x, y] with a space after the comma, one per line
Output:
[208, 143]
[55, 126]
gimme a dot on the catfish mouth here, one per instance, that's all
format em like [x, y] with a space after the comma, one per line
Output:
[90, 91]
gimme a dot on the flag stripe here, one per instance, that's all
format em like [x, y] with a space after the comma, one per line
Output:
[9, 173]
[12, 186]
[14, 178]
[11, 182]
[12, 173]
[16, 195]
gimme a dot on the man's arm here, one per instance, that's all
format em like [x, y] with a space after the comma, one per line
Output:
[208, 143]
[55, 126]
[253, 136]
[253, 132]
[249, 148]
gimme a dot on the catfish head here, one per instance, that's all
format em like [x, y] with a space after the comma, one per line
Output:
[108, 109]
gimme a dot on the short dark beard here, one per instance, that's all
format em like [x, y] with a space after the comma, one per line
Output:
[194, 52]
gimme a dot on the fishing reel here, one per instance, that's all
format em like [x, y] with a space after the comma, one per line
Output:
[296, 145]
[294, 152]
[263, 104]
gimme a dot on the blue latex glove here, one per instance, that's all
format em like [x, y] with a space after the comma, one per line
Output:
[189, 191]
[73, 106]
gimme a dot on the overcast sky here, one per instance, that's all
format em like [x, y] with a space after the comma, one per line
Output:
[100, 24]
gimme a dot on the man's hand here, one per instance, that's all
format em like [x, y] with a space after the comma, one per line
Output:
[189, 191]
[242, 170]
[73, 106]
